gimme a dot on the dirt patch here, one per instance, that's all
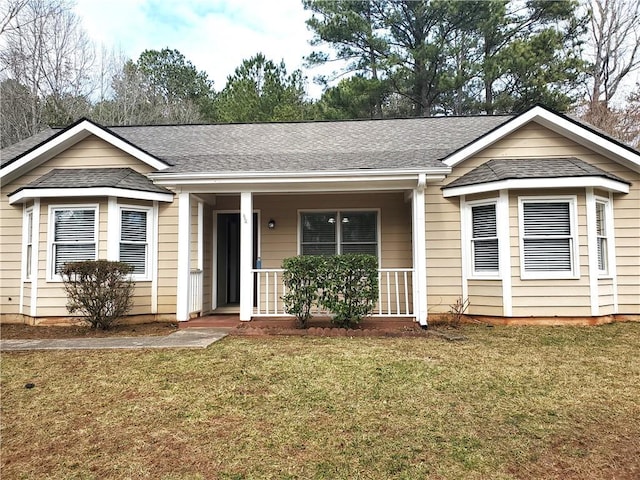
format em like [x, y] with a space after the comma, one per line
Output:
[249, 330]
[21, 332]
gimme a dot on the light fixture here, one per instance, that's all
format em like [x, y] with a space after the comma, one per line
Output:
[345, 220]
[331, 220]
[271, 224]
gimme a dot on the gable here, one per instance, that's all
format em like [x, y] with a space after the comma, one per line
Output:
[65, 140]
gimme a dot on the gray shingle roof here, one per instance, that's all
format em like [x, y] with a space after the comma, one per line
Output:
[304, 146]
[527, 168]
[12, 151]
[124, 178]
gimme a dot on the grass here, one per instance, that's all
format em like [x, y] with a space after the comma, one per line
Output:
[510, 402]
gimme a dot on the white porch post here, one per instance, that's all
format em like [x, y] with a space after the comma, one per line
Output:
[246, 255]
[184, 256]
[419, 252]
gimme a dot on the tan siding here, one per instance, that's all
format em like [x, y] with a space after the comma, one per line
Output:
[167, 257]
[207, 282]
[485, 297]
[10, 253]
[605, 296]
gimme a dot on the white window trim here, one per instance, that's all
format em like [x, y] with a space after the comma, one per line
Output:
[572, 200]
[608, 228]
[467, 237]
[339, 212]
[51, 276]
[27, 240]
[147, 276]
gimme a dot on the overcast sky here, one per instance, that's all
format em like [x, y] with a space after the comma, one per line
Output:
[215, 35]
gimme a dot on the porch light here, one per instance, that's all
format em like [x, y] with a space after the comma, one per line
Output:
[331, 220]
[345, 220]
[271, 224]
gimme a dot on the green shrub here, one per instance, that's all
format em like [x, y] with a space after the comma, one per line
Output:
[350, 287]
[345, 285]
[100, 290]
[301, 278]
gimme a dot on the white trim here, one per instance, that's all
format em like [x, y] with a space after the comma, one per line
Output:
[66, 193]
[538, 183]
[113, 229]
[557, 124]
[613, 256]
[573, 219]
[420, 305]
[153, 253]
[26, 212]
[465, 212]
[148, 276]
[200, 235]
[50, 276]
[339, 212]
[35, 257]
[504, 251]
[246, 255]
[66, 139]
[214, 262]
[592, 249]
[183, 295]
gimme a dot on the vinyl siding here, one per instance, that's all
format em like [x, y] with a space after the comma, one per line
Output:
[486, 297]
[90, 152]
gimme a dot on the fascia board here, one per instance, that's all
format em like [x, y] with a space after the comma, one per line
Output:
[64, 193]
[538, 183]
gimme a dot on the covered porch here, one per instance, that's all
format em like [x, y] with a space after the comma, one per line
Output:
[231, 243]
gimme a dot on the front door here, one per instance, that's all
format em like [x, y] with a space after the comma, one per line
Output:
[228, 254]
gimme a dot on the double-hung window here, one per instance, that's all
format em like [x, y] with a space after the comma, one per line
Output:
[484, 239]
[547, 237]
[337, 232]
[134, 239]
[28, 233]
[74, 239]
[602, 232]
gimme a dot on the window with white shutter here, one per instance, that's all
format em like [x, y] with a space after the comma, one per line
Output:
[330, 233]
[134, 239]
[601, 236]
[484, 239]
[74, 236]
[547, 238]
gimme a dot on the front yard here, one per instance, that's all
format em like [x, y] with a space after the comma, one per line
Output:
[509, 402]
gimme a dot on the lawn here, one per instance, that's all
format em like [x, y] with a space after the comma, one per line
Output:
[508, 402]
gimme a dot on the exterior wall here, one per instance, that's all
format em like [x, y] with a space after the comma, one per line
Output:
[486, 297]
[561, 297]
[167, 258]
[51, 299]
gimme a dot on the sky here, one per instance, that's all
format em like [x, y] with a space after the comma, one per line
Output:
[215, 35]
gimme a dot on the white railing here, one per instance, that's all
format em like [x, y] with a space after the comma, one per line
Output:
[395, 297]
[195, 291]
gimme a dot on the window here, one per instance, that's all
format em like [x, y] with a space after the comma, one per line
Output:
[484, 239]
[74, 236]
[601, 236]
[28, 242]
[547, 237]
[330, 233]
[134, 239]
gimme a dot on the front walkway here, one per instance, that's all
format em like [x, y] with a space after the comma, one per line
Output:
[188, 338]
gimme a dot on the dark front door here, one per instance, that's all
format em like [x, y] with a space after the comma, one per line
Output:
[229, 256]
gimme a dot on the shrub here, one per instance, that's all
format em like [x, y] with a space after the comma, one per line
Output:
[301, 278]
[345, 285]
[350, 287]
[99, 289]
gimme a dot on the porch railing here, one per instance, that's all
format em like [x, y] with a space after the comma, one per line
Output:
[395, 297]
[195, 291]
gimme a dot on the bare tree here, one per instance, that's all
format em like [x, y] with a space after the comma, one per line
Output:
[9, 10]
[45, 49]
[615, 40]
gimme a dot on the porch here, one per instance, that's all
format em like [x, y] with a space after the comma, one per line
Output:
[228, 263]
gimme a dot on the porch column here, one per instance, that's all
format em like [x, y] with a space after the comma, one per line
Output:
[419, 252]
[184, 257]
[246, 255]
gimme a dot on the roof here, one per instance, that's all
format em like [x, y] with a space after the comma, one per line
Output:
[121, 178]
[297, 147]
[529, 168]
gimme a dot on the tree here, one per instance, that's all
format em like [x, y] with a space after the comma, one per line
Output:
[15, 119]
[262, 91]
[46, 50]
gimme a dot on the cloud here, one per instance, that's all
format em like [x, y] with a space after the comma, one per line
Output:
[214, 35]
